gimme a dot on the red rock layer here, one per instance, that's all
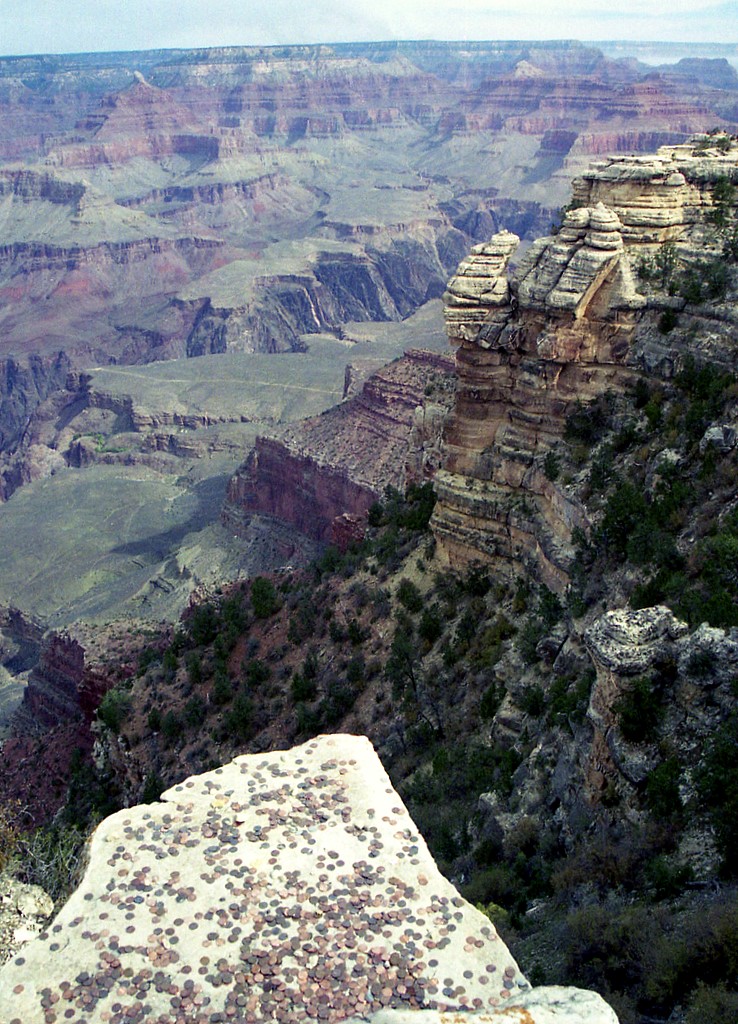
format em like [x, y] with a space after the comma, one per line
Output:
[339, 463]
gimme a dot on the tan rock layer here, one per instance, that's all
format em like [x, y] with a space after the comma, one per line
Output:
[555, 331]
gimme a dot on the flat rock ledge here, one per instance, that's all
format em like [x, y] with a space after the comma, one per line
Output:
[286, 886]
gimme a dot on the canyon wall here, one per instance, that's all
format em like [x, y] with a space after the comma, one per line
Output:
[567, 324]
[336, 465]
[165, 205]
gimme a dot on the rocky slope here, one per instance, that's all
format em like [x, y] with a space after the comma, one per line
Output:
[323, 474]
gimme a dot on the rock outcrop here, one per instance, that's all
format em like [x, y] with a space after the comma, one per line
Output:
[688, 677]
[61, 687]
[24, 909]
[559, 329]
[340, 462]
[283, 886]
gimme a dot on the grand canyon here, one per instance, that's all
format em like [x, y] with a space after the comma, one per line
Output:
[385, 389]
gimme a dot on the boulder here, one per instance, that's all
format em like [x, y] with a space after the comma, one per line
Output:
[284, 886]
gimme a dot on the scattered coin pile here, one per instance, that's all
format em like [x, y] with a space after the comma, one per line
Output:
[290, 886]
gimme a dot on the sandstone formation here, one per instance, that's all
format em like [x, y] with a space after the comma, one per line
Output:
[61, 687]
[340, 462]
[558, 329]
[283, 886]
[47, 718]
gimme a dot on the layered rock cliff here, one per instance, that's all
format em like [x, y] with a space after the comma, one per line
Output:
[333, 466]
[572, 320]
[162, 205]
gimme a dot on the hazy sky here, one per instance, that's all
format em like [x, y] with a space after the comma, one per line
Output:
[67, 26]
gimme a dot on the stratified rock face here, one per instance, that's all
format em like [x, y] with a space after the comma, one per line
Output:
[161, 205]
[283, 886]
[557, 330]
[690, 675]
[61, 688]
[340, 462]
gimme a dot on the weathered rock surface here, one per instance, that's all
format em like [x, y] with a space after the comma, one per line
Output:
[689, 675]
[569, 322]
[629, 642]
[24, 909]
[341, 461]
[550, 1005]
[283, 886]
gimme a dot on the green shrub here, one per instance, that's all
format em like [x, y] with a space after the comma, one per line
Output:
[114, 708]
[533, 701]
[528, 639]
[172, 726]
[551, 466]
[355, 670]
[149, 655]
[152, 789]
[53, 857]
[662, 790]
[302, 687]
[588, 423]
[717, 783]
[476, 582]
[639, 711]
[667, 877]
[154, 719]
[430, 626]
[255, 673]
[339, 699]
[264, 597]
[222, 692]
[9, 839]
[701, 663]
[712, 1004]
[626, 508]
[307, 720]
[240, 719]
[690, 287]
[194, 669]
[355, 633]
[409, 596]
[203, 624]
[668, 321]
[170, 663]
[302, 621]
[723, 197]
[569, 697]
[665, 262]
[194, 712]
[491, 700]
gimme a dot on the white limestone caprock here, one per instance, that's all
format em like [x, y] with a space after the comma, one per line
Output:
[286, 886]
